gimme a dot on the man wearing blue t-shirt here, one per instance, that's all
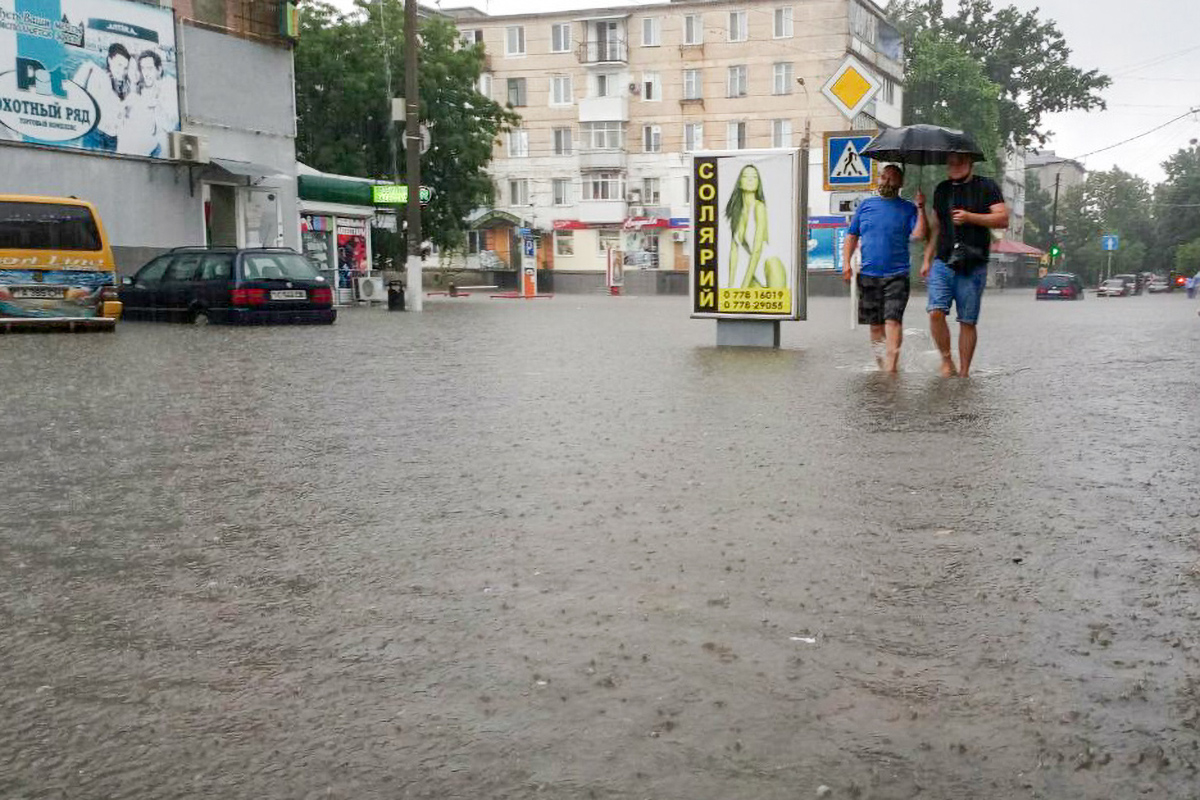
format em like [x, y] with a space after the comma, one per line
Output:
[885, 224]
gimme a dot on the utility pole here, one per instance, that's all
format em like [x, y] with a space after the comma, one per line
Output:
[1054, 220]
[397, 257]
[412, 154]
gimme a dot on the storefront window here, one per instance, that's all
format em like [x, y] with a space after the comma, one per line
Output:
[351, 250]
[564, 243]
[316, 237]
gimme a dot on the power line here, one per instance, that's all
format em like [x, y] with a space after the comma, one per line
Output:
[1140, 135]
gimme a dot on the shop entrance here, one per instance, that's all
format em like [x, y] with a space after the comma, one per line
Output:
[220, 215]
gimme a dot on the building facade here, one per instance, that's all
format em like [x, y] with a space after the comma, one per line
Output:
[614, 101]
[180, 118]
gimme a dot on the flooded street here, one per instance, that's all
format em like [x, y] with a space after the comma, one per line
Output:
[569, 549]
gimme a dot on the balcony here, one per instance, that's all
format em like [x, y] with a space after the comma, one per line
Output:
[603, 159]
[612, 51]
[598, 212]
[604, 109]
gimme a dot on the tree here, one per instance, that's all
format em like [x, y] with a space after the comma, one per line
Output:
[948, 88]
[1177, 202]
[1110, 202]
[1039, 214]
[1187, 258]
[1024, 56]
[344, 113]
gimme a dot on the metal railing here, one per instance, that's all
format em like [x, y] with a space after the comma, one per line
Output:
[603, 52]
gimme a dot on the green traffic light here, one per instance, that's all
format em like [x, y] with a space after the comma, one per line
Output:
[1055, 251]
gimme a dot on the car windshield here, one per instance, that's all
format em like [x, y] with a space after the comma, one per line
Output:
[1056, 280]
[47, 226]
[1115, 283]
[278, 266]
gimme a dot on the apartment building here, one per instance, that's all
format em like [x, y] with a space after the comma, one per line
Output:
[614, 100]
[176, 117]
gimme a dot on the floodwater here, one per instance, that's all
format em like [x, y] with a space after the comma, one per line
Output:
[568, 549]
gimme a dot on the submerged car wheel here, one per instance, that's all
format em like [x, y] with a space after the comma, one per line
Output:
[199, 317]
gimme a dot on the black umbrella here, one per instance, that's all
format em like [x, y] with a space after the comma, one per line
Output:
[921, 145]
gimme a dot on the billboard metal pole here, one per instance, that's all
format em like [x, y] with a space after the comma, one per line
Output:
[802, 235]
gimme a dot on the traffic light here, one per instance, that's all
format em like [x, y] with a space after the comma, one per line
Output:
[1055, 251]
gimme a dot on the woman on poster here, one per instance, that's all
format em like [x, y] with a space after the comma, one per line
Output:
[746, 211]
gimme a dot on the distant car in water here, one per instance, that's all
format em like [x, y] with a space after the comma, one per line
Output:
[1060, 286]
[1159, 284]
[1132, 284]
[229, 286]
[1114, 287]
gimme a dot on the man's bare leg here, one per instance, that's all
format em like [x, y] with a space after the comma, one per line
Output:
[895, 334]
[940, 332]
[967, 337]
[877, 337]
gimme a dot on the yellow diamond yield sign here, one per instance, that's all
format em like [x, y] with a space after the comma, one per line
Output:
[851, 87]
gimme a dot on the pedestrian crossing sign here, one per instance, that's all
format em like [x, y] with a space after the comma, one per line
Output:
[846, 169]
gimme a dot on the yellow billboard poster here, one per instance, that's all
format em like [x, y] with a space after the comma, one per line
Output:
[745, 260]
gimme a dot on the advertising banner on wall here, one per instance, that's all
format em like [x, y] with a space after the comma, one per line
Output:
[351, 250]
[744, 215]
[826, 236]
[97, 75]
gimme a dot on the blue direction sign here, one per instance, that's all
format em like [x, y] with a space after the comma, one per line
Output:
[845, 167]
[530, 247]
[1110, 241]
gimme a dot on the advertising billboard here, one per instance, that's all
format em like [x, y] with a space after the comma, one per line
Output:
[745, 262]
[826, 237]
[96, 75]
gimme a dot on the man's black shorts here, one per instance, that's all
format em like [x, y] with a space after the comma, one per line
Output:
[881, 299]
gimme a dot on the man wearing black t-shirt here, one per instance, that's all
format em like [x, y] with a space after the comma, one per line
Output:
[967, 206]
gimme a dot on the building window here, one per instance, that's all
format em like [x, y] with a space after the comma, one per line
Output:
[485, 85]
[651, 31]
[514, 42]
[518, 192]
[783, 23]
[693, 137]
[472, 38]
[651, 139]
[560, 90]
[604, 186]
[518, 143]
[781, 133]
[560, 38]
[564, 243]
[604, 135]
[562, 142]
[562, 191]
[888, 92]
[738, 81]
[687, 189]
[863, 24]
[516, 91]
[651, 191]
[651, 86]
[210, 11]
[608, 239]
[475, 242]
[785, 77]
[737, 26]
[737, 135]
[693, 29]
[606, 85]
[693, 84]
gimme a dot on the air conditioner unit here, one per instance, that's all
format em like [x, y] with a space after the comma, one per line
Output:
[188, 147]
[371, 289]
[635, 89]
[634, 196]
[679, 236]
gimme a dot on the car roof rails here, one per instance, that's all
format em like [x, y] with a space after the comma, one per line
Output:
[203, 248]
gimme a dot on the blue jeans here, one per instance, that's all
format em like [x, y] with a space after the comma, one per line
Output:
[964, 290]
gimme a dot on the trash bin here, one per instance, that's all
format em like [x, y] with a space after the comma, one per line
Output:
[395, 295]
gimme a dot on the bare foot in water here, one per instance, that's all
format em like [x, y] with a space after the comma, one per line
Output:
[948, 368]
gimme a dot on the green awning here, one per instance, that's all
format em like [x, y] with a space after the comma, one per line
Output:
[323, 189]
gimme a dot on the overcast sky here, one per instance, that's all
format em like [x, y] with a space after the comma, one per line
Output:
[1149, 48]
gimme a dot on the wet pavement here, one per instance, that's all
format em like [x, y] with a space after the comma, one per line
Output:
[568, 549]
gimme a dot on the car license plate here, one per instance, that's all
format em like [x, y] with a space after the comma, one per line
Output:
[1054, 291]
[289, 294]
[39, 292]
